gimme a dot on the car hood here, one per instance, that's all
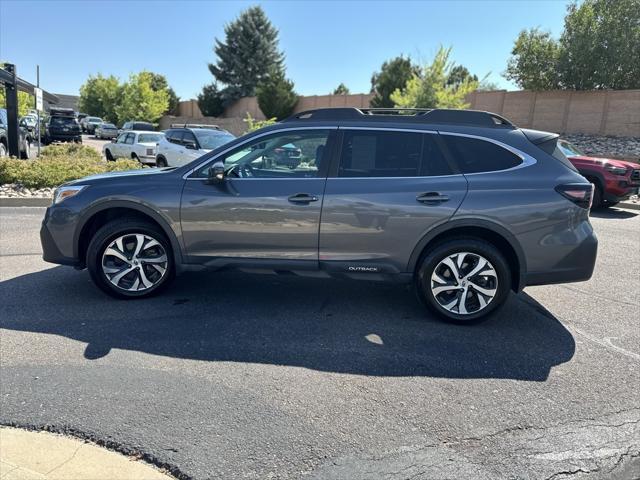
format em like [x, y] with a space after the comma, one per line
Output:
[601, 160]
[126, 175]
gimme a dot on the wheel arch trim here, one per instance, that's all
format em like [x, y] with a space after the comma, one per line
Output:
[456, 224]
[162, 221]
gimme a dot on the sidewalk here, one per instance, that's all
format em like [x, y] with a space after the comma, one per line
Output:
[26, 455]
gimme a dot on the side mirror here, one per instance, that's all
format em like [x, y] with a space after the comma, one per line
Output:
[190, 145]
[216, 173]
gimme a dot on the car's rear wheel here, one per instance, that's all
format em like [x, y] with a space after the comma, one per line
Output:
[161, 162]
[463, 280]
[129, 258]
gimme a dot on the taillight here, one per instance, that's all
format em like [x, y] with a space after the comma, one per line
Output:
[579, 193]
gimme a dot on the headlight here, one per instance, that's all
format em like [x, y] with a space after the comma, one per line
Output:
[615, 170]
[65, 192]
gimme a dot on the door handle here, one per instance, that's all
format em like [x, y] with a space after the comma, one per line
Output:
[303, 198]
[432, 197]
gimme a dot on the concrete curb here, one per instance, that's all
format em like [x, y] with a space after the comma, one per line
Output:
[24, 202]
[47, 456]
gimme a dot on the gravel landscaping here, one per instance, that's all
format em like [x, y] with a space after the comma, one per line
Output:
[15, 190]
[627, 148]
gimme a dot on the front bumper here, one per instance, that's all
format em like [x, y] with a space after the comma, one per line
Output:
[50, 251]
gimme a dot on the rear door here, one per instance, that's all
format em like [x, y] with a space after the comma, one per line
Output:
[263, 211]
[386, 191]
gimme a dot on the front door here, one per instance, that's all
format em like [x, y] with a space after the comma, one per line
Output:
[267, 208]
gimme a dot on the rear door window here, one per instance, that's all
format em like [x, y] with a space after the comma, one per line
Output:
[475, 155]
[377, 153]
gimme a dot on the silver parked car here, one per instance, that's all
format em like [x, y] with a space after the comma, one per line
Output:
[106, 130]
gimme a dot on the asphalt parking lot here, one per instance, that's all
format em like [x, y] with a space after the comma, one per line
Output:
[234, 375]
[94, 142]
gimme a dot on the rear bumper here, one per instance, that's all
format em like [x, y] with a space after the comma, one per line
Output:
[64, 137]
[576, 266]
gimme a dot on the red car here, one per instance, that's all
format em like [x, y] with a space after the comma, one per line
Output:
[613, 180]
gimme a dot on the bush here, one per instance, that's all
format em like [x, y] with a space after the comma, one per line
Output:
[55, 169]
[253, 124]
[70, 150]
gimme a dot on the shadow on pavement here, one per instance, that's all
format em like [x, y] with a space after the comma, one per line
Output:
[613, 213]
[340, 326]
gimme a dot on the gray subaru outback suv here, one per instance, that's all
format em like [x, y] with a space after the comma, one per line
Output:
[463, 204]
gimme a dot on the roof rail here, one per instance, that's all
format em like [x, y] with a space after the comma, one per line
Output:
[195, 125]
[415, 115]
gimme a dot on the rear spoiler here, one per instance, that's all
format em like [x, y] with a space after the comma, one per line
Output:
[538, 137]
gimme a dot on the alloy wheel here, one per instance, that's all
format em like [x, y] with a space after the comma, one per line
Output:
[134, 262]
[464, 283]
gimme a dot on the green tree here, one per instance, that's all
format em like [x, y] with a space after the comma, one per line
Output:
[341, 89]
[394, 75]
[459, 74]
[159, 82]
[249, 52]
[600, 45]
[25, 102]
[276, 96]
[100, 96]
[139, 101]
[435, 88]
[210, 101]
[533, 64]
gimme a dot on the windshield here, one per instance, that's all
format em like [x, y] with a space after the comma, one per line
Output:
[94, 119]
[142, 126]
[569, 149]
[108, 125]
[63, 121]
[149, 137]
[210, 139]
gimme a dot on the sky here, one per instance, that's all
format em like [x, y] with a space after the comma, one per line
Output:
[325, 43]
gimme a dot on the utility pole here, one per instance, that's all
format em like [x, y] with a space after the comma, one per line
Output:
[37, 109]
[11, 91]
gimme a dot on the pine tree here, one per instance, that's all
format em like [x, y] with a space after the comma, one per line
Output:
[276, 96]
[246, 56]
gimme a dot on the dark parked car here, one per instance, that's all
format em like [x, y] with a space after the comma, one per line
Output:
[613, 180]
[287, 155]
[25, 138]
[62, 126]
[462, 204]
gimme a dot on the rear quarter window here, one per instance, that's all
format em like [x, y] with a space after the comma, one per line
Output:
[475, 155]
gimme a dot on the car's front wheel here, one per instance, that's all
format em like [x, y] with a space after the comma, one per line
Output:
[161, 162]
[463, 280]
[130, 258]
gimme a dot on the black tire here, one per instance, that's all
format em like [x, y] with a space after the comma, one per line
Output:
[597, 196]
[26, 154]
[107, 234]
[135, 158]
[108, 156]
[450, 247]
[608, 204]
[161, 162]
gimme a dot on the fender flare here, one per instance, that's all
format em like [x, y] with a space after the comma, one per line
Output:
[490, 225]
[164, 224]
[586, 172]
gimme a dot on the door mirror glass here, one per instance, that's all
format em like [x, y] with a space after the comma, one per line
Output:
[216, 173]
[190, 144]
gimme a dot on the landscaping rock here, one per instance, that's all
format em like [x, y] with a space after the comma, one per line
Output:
[627, 148]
